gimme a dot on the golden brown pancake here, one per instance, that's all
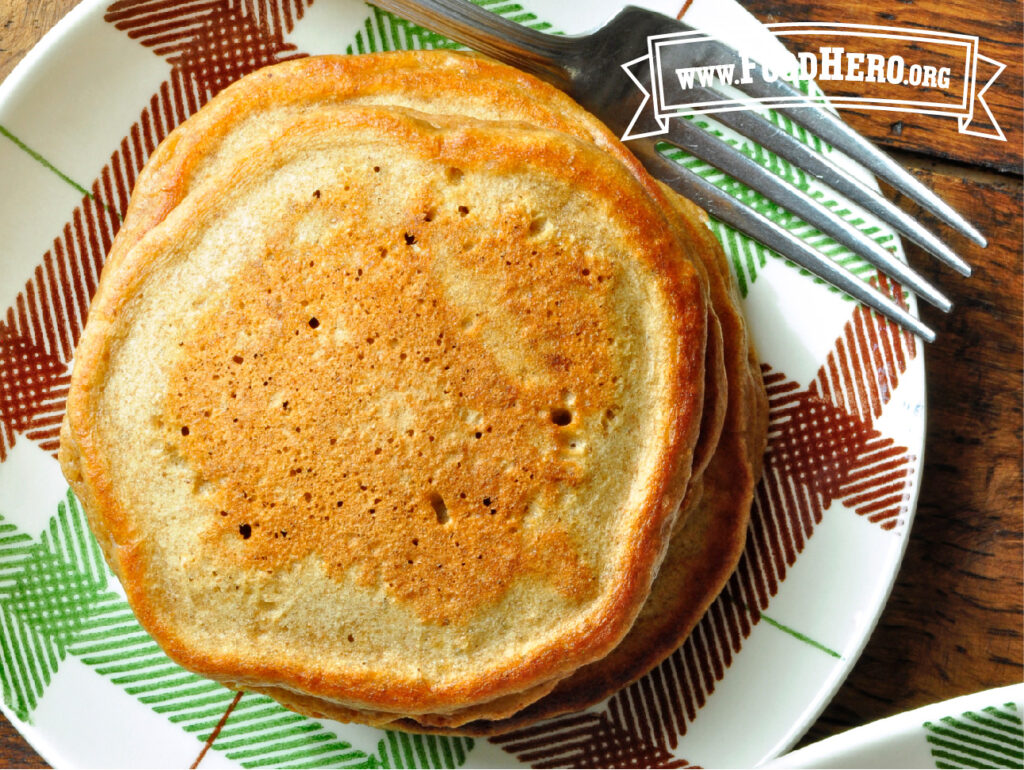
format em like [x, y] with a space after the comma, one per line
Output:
[704, 548]
[436, 82]
[413, 78]
[703, 551]
[212, 138]
[396, 412]
[321, 708]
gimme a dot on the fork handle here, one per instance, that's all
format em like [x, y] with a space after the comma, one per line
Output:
[541, 54]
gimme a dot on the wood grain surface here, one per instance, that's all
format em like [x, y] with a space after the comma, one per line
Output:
[953, 623]
[999, 27]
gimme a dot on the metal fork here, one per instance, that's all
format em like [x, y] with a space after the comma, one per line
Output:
[590, 69]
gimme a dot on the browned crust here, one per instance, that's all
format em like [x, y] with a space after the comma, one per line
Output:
[83, 455]
[337, 79]
[704, 550]
[716, 398]
[320, 708]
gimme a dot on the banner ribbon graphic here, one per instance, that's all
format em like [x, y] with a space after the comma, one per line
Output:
[881, 68]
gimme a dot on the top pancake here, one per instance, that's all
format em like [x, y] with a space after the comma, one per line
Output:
[384, 349]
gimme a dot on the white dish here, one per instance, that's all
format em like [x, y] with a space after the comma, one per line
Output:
[84, 683]
[983, 729]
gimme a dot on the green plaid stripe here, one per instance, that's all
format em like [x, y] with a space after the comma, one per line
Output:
[992, 737]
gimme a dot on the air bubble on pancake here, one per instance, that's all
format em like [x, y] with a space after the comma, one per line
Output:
[314, 323]
[561, 416]
[453, 175]
[463, 210]
[534, 511]
[410, 239]
[573, 445]
[440, 507]
[539, 226]
[245, 530]
[608, 418]
[469, 416]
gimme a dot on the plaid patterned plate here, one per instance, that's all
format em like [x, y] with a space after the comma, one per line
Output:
[89, 688]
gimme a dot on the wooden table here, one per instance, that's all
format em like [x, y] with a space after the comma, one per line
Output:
[953, 623]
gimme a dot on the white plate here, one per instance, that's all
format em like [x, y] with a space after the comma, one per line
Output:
[983, 729]
[88, 688]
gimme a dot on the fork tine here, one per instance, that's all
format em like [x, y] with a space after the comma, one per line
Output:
[735, 214]
[774, 139]
[827, 126]
[719, 154]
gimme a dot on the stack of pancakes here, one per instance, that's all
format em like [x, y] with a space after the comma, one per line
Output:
[408, 398]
